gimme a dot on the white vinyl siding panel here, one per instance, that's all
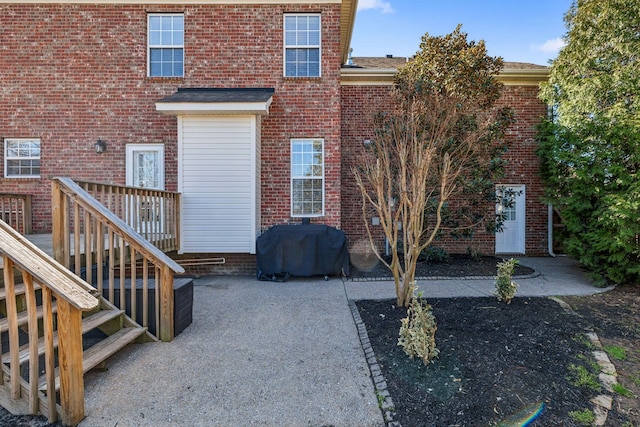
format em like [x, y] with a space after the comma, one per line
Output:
[218, 184]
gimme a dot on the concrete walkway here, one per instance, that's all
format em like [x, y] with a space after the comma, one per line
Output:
[263, 353]
[553, 276]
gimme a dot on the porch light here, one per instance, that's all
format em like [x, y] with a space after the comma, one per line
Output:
[101, 146]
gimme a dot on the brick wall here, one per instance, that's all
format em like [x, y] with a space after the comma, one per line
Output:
[76, 73]
[359, 103]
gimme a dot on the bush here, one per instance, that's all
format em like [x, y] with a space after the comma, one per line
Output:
[594, 185]
[418, 331]
[433, 254]
[505, 287]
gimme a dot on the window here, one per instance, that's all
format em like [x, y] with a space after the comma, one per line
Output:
[307, 177]
[302, 45]
[166, 45]
[22, 158]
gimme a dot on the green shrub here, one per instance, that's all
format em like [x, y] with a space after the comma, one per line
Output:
[418, 331]
[505, 287]
[590, 177]
[474, 253]
[433, 254]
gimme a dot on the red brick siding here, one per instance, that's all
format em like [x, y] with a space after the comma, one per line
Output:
[72, 74]
[359, 103]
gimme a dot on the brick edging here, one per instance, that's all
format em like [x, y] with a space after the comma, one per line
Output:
[602, 403]
[385, 403]
[382, 279]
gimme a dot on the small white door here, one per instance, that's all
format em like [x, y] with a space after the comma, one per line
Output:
[145, 169]
[145, 166]
[512, 205]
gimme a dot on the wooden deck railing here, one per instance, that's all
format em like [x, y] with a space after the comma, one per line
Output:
[112, 256]
[61, 292]
[154, 214]
[15, 210]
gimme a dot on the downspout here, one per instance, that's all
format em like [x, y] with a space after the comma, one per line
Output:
[550, 116]
[550, 230]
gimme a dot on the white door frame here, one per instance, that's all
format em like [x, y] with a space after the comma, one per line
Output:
[512, 239]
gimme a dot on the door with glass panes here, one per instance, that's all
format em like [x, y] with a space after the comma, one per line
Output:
[511, 204]
[145, 169]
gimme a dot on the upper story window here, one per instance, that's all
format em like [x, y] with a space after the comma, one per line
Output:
[165, 45]
[22, 158]
[307, 177]
[302, 45]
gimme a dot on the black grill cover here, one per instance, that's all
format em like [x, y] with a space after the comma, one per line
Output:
[301, 250]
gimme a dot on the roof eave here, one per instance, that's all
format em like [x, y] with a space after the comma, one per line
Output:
[213, 108]
[385, 76]
[523, 77]
[347, 20]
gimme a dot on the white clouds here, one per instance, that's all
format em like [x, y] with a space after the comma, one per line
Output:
[550, 46]
[384, 6]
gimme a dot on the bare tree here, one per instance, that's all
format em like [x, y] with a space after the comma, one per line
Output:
[441, 139]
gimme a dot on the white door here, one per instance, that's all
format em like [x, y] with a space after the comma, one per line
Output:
[145, 169]
[145, 166]
[512, 205]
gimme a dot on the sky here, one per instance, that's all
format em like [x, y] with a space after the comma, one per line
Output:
[517, 30]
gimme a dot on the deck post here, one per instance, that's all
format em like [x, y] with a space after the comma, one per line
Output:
[58, 220]
[166, 304]
[70, 363]
[26, 212]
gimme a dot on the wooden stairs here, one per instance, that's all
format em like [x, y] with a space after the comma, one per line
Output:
[54, 325]
[105, 331]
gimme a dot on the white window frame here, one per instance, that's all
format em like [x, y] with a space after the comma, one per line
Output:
[287, 44]
[8, 158]
[164, 46]
[295, 155]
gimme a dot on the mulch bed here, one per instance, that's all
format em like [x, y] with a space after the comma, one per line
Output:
[459, 265]
[498, 361]
[495, 360]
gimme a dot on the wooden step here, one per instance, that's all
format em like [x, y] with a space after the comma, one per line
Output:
[88, 323]
[100, 352]
[23, 317]
[19, 290]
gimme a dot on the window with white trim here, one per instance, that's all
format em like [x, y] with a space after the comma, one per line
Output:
[21, 158]
[307, 177]
[301, 45]
[165, 45]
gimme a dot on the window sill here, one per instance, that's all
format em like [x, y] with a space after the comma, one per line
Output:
[165, 79]
[298, 79]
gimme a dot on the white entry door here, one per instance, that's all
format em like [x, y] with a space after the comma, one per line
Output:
[145, 169]
[512, 237]
[145, 166]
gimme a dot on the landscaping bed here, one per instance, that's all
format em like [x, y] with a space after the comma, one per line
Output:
[501, 362]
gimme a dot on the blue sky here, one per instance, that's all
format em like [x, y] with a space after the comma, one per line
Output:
[518, 30]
